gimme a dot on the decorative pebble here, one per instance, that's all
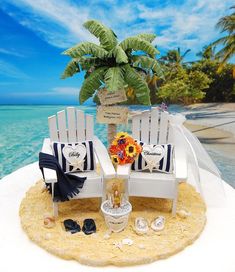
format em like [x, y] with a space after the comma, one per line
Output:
[48, 236]
[183, 213]
[127, 241]
[48, 221]
[107, 235]
[141, 246]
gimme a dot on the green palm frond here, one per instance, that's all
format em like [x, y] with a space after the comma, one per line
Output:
[88, 62]
[147, 37]
[134, 80]
[136, 44]
[226, 52]
[227, 23]
[119, 54]
[114, 79]
[71, 69]
[105, 35]
[221, 40]
[149, 64]
[86, 48]
[91, 84]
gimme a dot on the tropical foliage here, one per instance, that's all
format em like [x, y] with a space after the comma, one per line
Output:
[114, 65]
[221, 87]
[226, 25]
[184, 86]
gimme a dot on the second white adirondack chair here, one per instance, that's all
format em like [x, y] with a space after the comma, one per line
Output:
[156, 127]
[79, 128]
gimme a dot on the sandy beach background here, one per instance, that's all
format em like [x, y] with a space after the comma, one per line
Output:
[214, 125]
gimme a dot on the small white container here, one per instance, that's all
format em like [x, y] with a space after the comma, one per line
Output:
[116, 218]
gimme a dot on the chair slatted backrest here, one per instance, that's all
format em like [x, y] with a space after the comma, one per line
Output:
[72, 126]
[151, 127]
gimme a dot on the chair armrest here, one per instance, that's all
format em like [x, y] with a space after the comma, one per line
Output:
[104, 159]
[49, 174]
[123, 171]
[180, 164]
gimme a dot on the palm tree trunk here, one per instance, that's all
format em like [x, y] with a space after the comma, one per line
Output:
[112, 129]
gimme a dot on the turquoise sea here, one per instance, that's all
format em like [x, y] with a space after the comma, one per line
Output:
[23, 128]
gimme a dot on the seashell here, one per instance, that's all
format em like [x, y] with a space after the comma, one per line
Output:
[183, 213]
[127, 241]
[48, 221]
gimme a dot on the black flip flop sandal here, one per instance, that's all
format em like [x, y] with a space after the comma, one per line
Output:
[72, 226]
[89, 226]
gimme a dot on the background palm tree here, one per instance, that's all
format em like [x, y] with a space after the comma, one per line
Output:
[113, 65]
[226, 25]
[174, 57]
[207, 53]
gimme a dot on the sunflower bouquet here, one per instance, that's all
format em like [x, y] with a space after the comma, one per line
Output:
[124, 149]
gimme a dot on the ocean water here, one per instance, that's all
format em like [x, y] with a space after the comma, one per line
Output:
[23, 128]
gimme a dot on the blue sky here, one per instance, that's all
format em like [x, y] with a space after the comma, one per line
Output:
[33, 33]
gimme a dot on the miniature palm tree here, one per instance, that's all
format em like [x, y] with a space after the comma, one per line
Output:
[113, 65]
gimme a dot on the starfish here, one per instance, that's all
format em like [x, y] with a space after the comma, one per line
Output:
[77, 165]
[150, 165]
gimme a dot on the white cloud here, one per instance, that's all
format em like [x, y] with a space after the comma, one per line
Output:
[57, 91]
[9, 70]
[66, 91]
[190, 24]
[11, 52]
[59, 22]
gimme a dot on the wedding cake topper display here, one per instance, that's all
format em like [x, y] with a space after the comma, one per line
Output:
[165, 213]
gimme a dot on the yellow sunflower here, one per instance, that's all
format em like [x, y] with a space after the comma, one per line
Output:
[131, 150]
[114, 159]
[121, 135]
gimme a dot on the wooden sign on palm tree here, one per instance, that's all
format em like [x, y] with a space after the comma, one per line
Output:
[113, 65]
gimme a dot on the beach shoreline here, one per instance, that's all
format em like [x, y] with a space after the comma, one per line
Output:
[214, 125]
[218, 115]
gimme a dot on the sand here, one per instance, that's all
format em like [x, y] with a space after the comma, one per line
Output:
[218, 115]
[94, 250]
[214, 125]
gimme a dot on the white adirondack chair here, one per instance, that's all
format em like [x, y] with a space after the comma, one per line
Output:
[79, 128]
[155, 127]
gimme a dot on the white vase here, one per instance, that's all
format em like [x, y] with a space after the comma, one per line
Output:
[116, 218]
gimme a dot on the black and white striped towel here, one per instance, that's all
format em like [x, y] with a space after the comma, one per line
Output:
[88, 164]
[165, 164]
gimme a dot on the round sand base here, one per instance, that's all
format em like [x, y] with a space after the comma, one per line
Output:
[94, 249]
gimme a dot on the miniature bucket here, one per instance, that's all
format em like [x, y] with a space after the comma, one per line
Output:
[116, 218]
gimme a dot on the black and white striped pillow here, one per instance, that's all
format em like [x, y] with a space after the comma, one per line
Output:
[88, 165]
[165, 164]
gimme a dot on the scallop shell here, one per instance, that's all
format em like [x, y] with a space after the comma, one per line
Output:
[48, 221]
[127, 241]
[183, 213]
